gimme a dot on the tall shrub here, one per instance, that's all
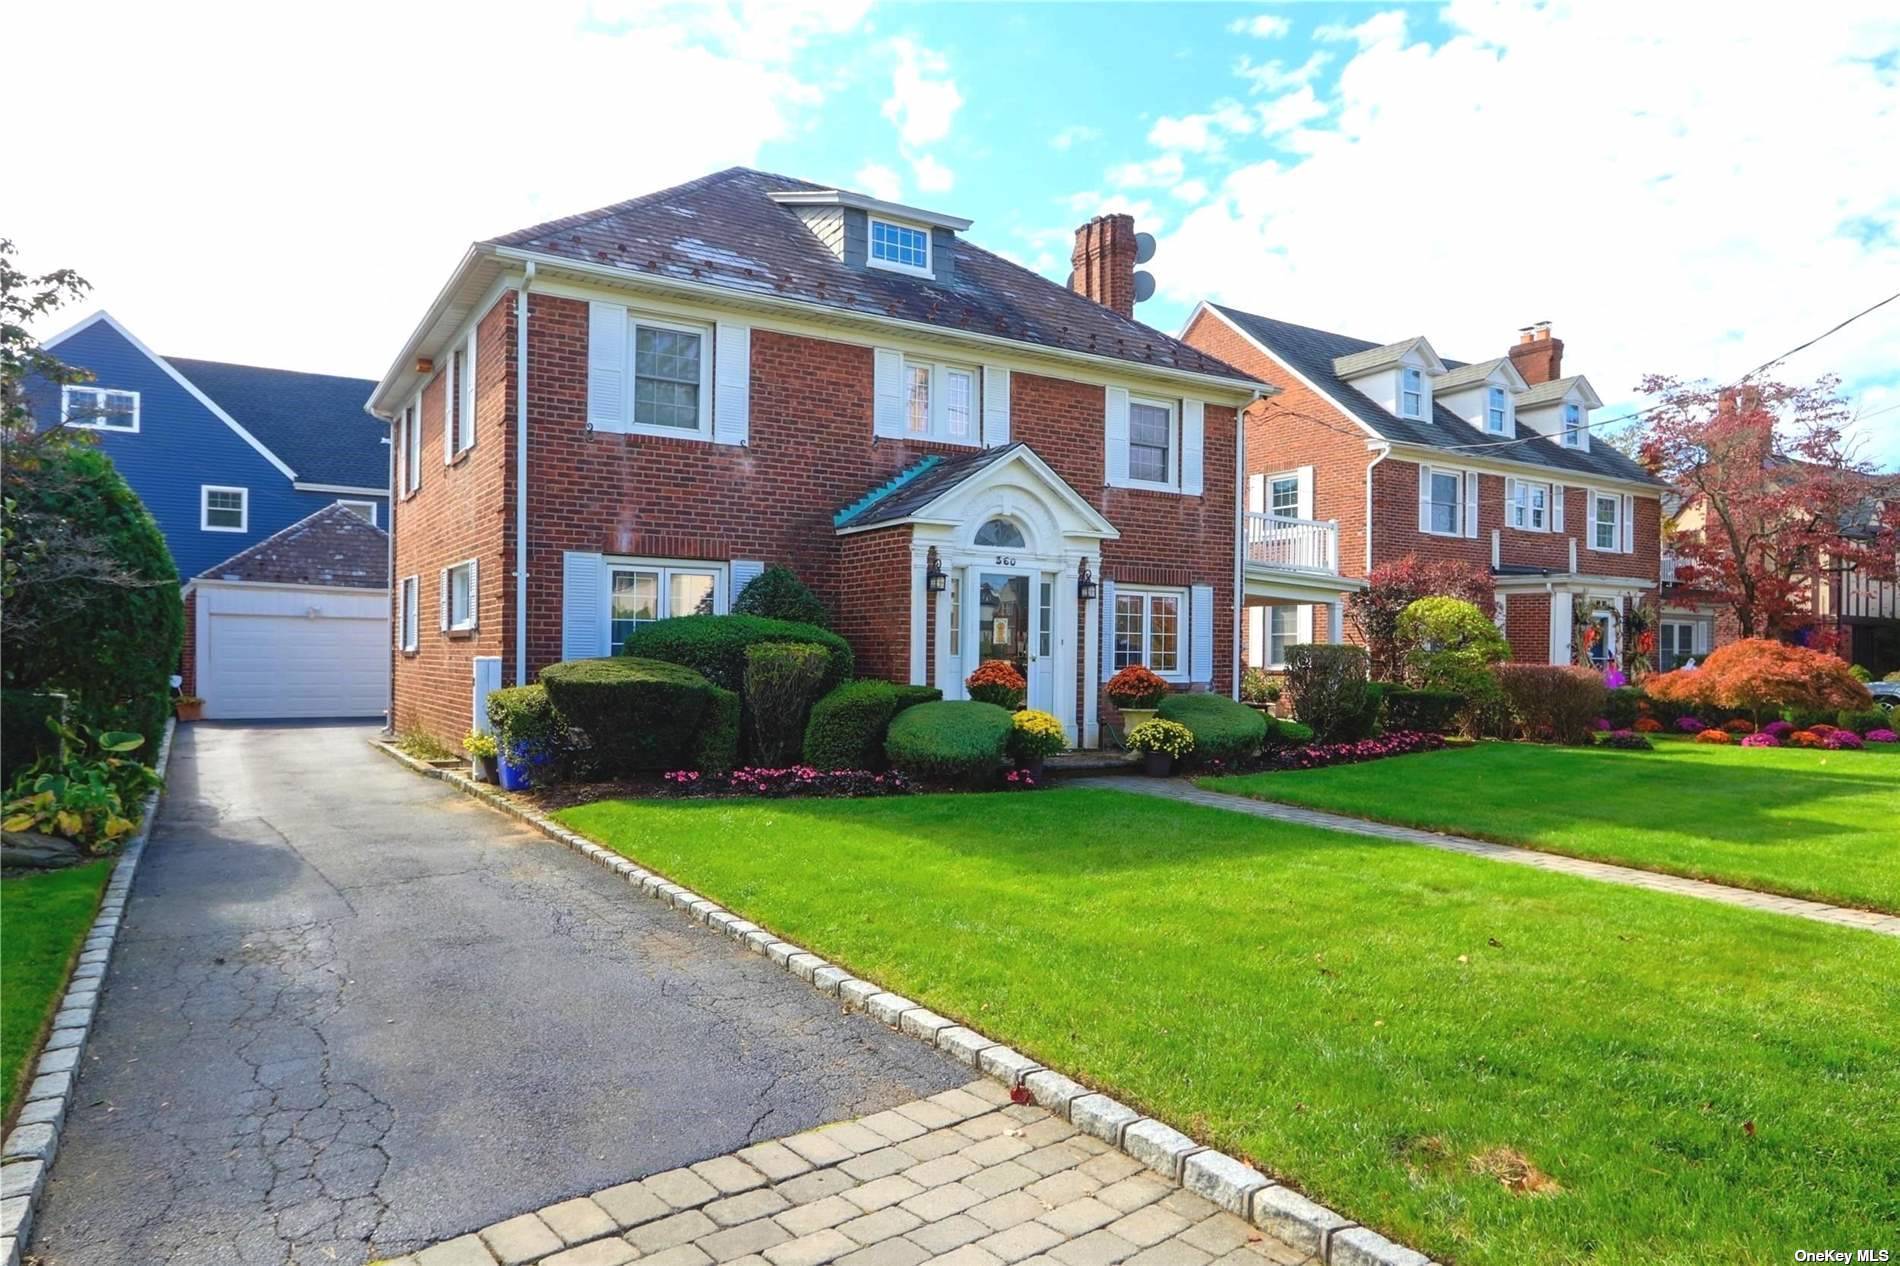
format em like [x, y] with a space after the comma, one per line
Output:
[1449, 644]
[1758, 675]
[635, 714]
[1326, 685]
[715, 645]
[778, 594]
[847, 726]
[1553, 701]
[1390, 588]
[782, 679]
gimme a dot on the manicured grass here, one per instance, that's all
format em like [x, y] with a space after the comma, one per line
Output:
[1372, 1020]
[1818, 824]
[43, 919]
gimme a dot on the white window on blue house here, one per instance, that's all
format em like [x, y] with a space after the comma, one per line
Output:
[900, 246]
[1412, 393]
[1573, 426]
[100, 409]
[224, 509]
[1495, 411]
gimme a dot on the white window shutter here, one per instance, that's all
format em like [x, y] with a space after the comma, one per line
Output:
[1703, 635]
[1306, 492]
[1303, 624]
[1556, 507]
[1193, 446]
[607, 368]
[995, 406]
[744, 572]
[444, 607]
[1256, 637]
[1471, 503]
[1108, 630]
[732, 383]
[474, 593]
[583, 606]
[1115, 435]
[1629, 525]
[448, 411]
[1560, 628]
[1257, 494]
[1424, 498]
[1201, 634]
[888, 399]
[469, 379]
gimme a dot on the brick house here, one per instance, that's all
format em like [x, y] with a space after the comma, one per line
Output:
[1372, 452]
[625, 415]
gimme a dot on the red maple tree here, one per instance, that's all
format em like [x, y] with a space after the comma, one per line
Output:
[1783, 500]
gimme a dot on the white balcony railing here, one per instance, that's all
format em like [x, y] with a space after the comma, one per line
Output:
[1293, 544]
[1668, 568]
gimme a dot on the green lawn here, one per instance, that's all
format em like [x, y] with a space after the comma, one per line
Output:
[43, 920]
[1817, 824]
[1371, 1020]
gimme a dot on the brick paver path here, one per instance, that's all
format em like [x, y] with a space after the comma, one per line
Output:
[1820, 912]
[963, 1177]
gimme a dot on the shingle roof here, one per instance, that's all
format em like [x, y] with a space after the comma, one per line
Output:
[1312, 352]
[919, 485]
[1464, 375]
[315, 422]
[1355, 363]
[334, 546]
[1547, 392]
[724, 230]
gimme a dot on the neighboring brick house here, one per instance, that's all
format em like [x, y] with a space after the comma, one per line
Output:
[1392, 451]
[963, 459]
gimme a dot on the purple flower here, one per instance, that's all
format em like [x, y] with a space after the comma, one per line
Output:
[1601, 723]
[1690, 725]
[1882, 736]
[1614, 678]
[1780, 729]
[1762, 738]
[1841, 740]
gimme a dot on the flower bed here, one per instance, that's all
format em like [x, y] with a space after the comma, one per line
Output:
[1626, 741]
[1761, 739]
[1713, 736]
[1317, 755]
[779, 784]
[1881, 736]
[1841, 741]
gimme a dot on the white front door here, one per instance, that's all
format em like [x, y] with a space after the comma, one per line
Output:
[1009, 620]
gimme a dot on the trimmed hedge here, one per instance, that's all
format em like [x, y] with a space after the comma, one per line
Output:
[714, 645]
[781, 683]
[25, 735]
[1222, 729]
[960, 741]
[1424, 711]
[1284, 733]
[718, 748]
[1553, 701]
[524, 718]
[778, 594]
[635, 714]
[847, 726]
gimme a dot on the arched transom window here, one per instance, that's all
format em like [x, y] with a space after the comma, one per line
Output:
[1000, 533]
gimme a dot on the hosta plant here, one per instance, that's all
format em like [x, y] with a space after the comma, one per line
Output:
[1168, 737]
[86, 795]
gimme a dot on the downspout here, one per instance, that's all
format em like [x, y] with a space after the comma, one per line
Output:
[521, 476]
[1240, 536]
[1385, 451]
[389, 575]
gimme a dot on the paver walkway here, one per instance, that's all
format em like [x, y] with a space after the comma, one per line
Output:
[352, 1013]
[962, 1177]
[1820, 912]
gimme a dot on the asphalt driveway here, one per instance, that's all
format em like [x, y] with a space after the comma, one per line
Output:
[352, 1013]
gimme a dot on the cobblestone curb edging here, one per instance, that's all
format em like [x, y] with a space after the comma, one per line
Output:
[27, 1156]
[1236, 1187]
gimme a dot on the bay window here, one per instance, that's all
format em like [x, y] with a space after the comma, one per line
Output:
[1148, 630]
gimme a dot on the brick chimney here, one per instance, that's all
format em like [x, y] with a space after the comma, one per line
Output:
[1537, 354]
[1104, 262]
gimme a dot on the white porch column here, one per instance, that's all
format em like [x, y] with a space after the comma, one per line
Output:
[1062, 677]
[919, 562]
[1092, 663]
[1335, 622]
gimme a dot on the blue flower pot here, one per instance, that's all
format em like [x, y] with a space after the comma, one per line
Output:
[514, 777]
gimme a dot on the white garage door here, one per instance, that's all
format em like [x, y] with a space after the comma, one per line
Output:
[269, 653]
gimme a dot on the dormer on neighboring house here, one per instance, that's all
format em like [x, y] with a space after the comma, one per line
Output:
[1484, 394]
[1561, 410]
[1397, 377]
[868, 232]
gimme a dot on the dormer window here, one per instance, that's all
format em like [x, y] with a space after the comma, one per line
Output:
[1412, 393]
[902, 247]
[1573, 426]
[1495, 410]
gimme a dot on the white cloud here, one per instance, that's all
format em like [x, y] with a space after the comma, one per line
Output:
[1380, 28]
[1202, 133]
[1163, 170]
[259, 154]
[932, 176]
[1651, 197]
[1073, 135]
[924, 99]
[1190, 191]
[1276, 76]
[880, 182]
[1284, 113]
[1264, 26]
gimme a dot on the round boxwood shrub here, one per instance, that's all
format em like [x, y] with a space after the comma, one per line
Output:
[714, 645]
[961, 741]
[1222, 729]
[847, 726]
[778, 594]
[635, 714]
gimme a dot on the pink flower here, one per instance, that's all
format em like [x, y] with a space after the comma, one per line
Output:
[1761, 739]
[1882, 736]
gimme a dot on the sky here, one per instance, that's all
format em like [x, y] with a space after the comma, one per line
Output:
[1685, 188]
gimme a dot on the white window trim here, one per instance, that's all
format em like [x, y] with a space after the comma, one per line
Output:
[1523, 522]
[1292, 638]
[1577, 436]
[1173, 482]
[1432, 472]
[1147, 593]
[448, 590]
[1266, 493]
[412, 447]
[1616, 522]
[1503, 397]
[939, 432]
[204, 507]
[720, 572]
[1423, 393]
[704, 431]
[408, 616]
[872, 261]
[66, 394]
[358, 501]
[460, 388]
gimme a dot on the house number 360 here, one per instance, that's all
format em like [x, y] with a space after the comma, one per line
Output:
[1005, 560]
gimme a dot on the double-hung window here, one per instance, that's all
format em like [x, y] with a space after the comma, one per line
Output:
[1496, 410]
[1283, 629]
[1148, 630]
[409, 622]
[1574, 429]
[1412, 392]
[1153, 442]
[1675, 644]
[411, 438]
[99, 409]
[1283, 496]
[458, 597]
[669, 379]
[459, 418]
[940, 402]
[1530, 506]
[1447, 507]
[222, 509]
[640, 593]
[903, 247]
[1605, 529]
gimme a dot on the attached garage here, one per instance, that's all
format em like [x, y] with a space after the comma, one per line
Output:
[297, 626]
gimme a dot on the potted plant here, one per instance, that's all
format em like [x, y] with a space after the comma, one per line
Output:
[1161, 743]
[1034, 737]
[1259, 691]
[188, 707]
[484, 756]
[997, 681]
[517, 765]
[1136, 692]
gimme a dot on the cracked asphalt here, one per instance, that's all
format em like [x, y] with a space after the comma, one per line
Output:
[352, 1013]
